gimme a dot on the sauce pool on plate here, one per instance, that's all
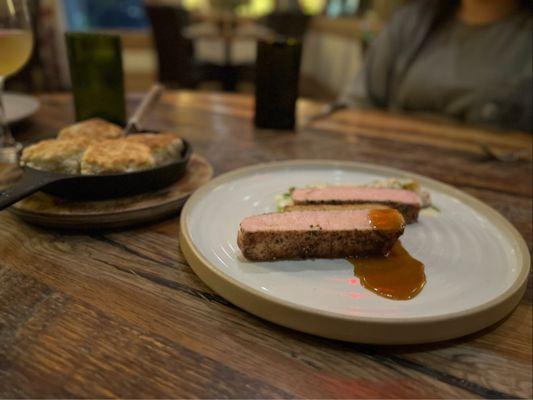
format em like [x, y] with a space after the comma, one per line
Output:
[396, 276]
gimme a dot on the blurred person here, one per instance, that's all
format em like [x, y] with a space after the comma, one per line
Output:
[470, 60]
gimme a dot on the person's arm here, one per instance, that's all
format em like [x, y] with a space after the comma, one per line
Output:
[370, 86]
[509, 107]
[393, 47]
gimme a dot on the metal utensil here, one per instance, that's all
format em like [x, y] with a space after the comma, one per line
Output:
[147, 102]
[511, 156]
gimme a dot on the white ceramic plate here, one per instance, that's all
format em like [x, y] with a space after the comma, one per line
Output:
[19, 106]
[476, 263]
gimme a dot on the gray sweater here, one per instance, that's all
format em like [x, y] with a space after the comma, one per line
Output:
[476, 74]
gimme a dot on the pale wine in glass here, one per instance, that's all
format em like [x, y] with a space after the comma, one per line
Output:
[16, 45]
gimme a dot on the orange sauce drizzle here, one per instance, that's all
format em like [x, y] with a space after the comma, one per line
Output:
[396, 276]
[386, 219]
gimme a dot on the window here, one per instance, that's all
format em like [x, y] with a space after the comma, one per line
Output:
[340, 8]
[105, 14]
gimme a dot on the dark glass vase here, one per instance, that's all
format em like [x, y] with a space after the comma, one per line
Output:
[276, 84]
[95, 62]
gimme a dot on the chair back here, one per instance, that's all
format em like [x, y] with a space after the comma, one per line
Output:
[174, 50]
[288, 24]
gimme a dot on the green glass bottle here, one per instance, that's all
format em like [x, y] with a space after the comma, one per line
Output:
[97, 77]
[276, 83]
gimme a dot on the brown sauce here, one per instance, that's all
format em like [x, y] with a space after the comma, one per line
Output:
[385, 219]
[396, 276]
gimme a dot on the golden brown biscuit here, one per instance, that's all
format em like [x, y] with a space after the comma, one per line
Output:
[165, 147]
[114, 156]
[91, 130]
[54, 155]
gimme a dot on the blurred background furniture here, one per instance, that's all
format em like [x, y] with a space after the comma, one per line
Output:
[175, 52]
[228, 44]
[206, 44]
[292, 25]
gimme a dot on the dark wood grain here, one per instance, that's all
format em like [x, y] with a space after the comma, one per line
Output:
[121, 314]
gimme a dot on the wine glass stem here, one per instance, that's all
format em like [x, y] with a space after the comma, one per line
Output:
[6, 138]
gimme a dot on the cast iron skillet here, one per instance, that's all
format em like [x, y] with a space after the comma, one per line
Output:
[96, 187]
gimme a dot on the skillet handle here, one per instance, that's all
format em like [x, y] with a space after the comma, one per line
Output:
[28, 184]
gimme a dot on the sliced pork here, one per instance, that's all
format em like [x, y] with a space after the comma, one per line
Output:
[335, 207]
[405, 201]
[319, 234]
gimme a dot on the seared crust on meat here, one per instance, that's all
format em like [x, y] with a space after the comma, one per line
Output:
[319, 234]
[269, 246]
[409, 211]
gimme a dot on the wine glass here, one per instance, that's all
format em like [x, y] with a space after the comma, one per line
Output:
[16, 45]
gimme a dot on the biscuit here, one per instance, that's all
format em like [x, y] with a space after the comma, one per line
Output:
[165, 147]
[116, 156]
[54, 155]
[91, 130]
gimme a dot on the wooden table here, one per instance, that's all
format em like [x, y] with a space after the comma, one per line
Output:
[122, 314]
